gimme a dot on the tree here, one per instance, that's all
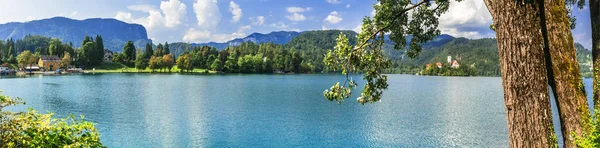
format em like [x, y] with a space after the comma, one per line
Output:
[140, 62]
[26, 58]
[168, 61]
[217, 65]
[524, 101]
[565, 80]
[231, 63]
[155, 63]
[89, 55]
[595, 23]
[148, 52]
[56, 48]
[99, 50]
[33, 129]
[129, 51]
[184, 62]
[66, 60]
[166, 50]
[159, 50]
[86, 39]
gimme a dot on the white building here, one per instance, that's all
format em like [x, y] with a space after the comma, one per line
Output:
[449, 59]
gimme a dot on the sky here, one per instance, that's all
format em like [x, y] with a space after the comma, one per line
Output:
[199, 21]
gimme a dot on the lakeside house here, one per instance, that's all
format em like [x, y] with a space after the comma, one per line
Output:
[438, 64]
[108, 56]
[454, 64]
[49, 62]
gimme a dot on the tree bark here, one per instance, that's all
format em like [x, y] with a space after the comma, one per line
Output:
[595, 20]
[570, 91]
[524, 76]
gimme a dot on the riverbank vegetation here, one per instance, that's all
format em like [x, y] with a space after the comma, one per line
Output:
[33, 129]
[303, 54]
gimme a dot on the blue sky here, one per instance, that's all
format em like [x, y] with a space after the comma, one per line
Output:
[198, 21]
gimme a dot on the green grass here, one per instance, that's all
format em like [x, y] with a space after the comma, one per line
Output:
[120, 68]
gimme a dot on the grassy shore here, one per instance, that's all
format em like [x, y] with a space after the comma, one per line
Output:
[120, 68]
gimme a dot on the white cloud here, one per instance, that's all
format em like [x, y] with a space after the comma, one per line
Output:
[296, 17]
[469, 18]
[202, 36]
[153, 21]
[298, 9]
[279, 25]
[207, 13]
[236, 11]
[296, 13]
[74, 13]
[348, 6]
[334, 17]
[241, 32]
[161, 24]
[174, 11]
[259, 20]
[30, 18]
[141, 8]
[196, 36]
[357, 29]
[333, 1]
[124, 16]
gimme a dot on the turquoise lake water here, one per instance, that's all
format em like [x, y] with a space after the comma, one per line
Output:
[155, 110]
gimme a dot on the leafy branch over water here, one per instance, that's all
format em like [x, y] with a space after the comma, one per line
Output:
[398, 18]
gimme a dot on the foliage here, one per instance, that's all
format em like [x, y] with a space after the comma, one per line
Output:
[155, 63]
[140, 62]
[166, 50]
[184, 62]
[168, 62]
[87, 55]
[347, 59]
[159, 50]
[392, 16]
[26, 58]
[148, 52]
[66, 60]
[33, 129]
[32, 42]
[129, 51]
[217, 65]
[7, 51]
[591, 135]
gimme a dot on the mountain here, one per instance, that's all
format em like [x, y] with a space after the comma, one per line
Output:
[280, 37]
[115, 33]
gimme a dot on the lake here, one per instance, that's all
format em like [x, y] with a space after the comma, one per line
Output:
[162, 110]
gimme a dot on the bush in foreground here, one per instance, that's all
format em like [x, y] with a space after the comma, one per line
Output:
[33, 129]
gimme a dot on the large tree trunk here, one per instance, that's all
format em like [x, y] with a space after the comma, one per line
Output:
[569, 89]
[595, 19]
[524, 77]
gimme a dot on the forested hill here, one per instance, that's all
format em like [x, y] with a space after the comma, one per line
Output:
[278, 37]
[114, 32]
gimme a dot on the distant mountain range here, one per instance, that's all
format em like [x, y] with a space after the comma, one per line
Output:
[280, 37]
[115, 33]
